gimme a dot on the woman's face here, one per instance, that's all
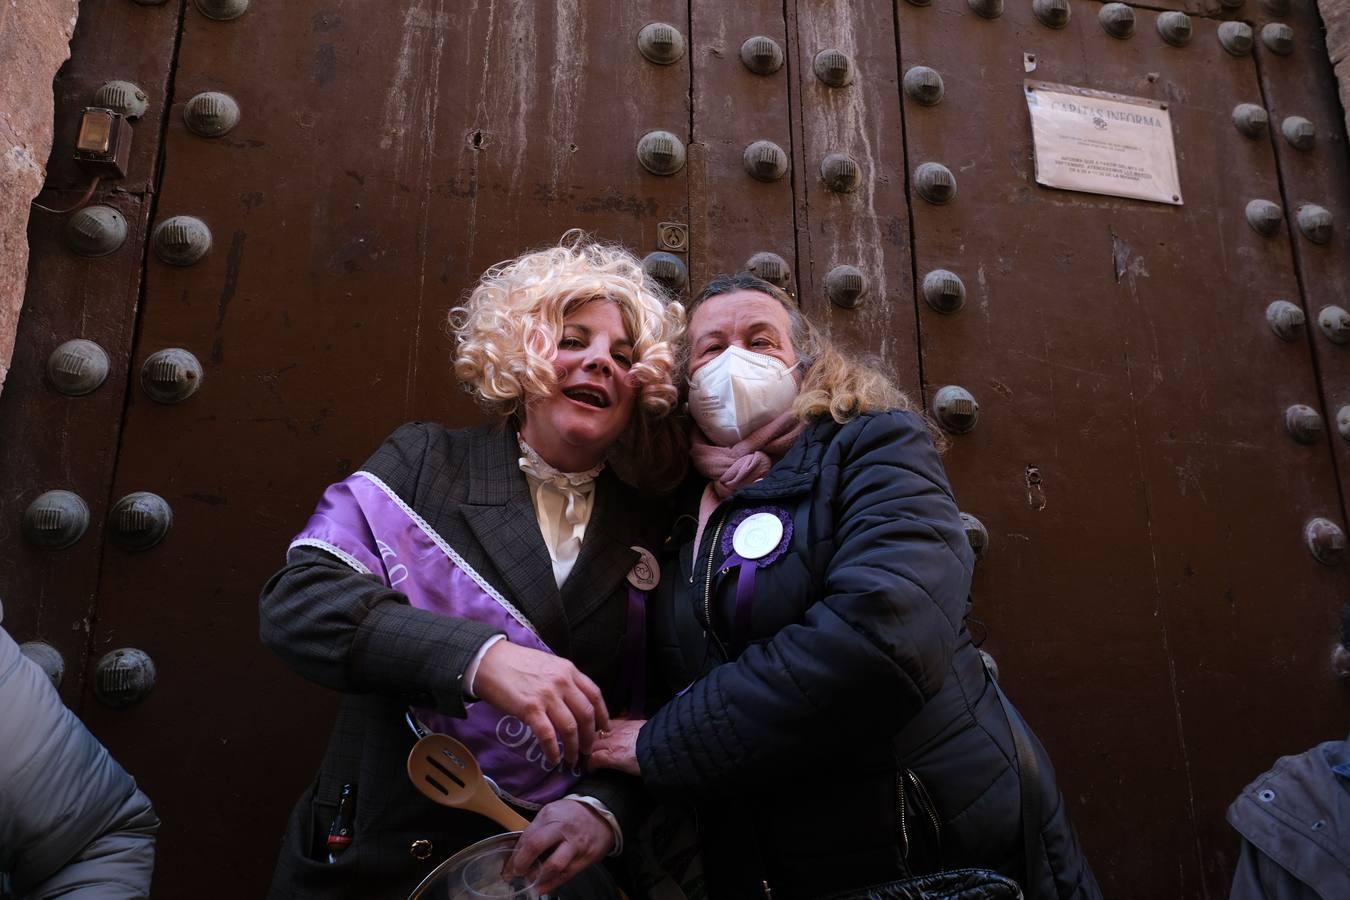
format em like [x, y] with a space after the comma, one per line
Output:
[746, 319]
[574, 427]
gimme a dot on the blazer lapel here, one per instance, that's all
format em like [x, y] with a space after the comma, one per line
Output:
[501, 515]
[606, 554]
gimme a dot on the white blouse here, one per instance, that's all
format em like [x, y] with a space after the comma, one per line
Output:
[563, 503]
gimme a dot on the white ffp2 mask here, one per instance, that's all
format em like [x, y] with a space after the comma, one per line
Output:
[738, 392]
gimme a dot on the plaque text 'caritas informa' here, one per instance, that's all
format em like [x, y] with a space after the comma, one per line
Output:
[1103, 143]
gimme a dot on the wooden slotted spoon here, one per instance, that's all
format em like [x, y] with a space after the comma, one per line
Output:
[445, 771]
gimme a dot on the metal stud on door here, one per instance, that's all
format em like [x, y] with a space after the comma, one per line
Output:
[124, 677]
[56, 520]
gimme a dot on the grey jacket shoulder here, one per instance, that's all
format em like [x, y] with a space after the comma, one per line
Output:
[407, 456]
[1297, 816]
[72, 821]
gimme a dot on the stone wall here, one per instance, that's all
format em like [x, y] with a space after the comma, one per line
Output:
[1336, 17]
[34, 42]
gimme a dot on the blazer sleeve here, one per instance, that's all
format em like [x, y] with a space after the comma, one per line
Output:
[347, 631]
[866, 655]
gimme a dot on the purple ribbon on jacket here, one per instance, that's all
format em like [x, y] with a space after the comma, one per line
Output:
[745, 577]
[363, 522]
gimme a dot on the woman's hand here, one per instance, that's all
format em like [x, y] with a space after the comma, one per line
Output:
[617, 748]
[547, 693]
[570, 834]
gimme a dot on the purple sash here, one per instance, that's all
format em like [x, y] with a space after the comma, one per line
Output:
[369, 527]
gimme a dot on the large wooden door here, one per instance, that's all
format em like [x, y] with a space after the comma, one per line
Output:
[1146, 587]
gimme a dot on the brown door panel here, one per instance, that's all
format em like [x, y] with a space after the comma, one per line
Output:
[1145, 503]
[867, 228]
[382, 160]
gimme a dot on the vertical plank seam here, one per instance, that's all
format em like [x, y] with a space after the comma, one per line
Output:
[909, 210]
[119, 443]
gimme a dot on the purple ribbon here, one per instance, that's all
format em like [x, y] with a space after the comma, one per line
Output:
[745, 578]
[635, 668]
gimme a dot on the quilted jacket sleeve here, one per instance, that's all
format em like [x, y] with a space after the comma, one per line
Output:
[72, 821]
[347, 631]
[868, 652]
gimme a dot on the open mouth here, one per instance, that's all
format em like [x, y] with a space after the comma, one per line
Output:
[588, 396]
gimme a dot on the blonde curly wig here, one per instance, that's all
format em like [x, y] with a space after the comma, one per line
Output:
[506, 331]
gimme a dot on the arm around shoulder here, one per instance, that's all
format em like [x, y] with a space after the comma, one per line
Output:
[885, 624]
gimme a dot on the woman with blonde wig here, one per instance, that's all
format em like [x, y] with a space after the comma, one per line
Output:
[481, 582]
[829, 718]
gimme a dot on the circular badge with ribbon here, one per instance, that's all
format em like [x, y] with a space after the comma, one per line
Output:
[754, 538]
[757, 535]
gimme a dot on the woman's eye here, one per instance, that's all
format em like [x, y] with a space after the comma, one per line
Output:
[570, 343]
[623, 359]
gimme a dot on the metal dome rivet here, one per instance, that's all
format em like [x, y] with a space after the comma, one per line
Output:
[1264, 217]
[1334, 323]
[1286, 320]
[1304, 424]
[1278, 38]
[986, 9]
[171, 375]
[765, 161]
[667, 270]
[222, 10]
[124, 677]
[924, 86]
[762, 55]
[122, 97]
[1343, 422]
[1237, 38]
[976, 534]
[1117, 20]
[1299, 132]
[935, 183]
[211, 114]
[956, 409]
[55, 520]
[771, 267]
[96, 231]
[1250, 120]
[47, 658]
[139, 521]
[1325, 541]
[77, 367]
[181, 240]
[846, 286]
[661, 43]
[944, 291]
[1315, 223]
[661, 153]
[834, 68]
[1175, 28]
[1052, 13]
[841, 173]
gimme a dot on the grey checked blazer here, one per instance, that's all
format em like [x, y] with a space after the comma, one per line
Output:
[348, 632]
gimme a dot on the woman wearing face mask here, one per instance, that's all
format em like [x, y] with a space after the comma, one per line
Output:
[481, 582]
[831, 720]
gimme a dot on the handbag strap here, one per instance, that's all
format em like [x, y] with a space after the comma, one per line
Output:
[1029, 777]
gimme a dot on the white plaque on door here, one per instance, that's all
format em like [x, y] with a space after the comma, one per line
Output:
[1103, 143]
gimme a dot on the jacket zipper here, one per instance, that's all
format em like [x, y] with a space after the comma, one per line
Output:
[900, 808]
[926, 803]
[707, 588]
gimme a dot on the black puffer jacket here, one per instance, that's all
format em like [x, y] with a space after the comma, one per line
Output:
[857, 668]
